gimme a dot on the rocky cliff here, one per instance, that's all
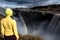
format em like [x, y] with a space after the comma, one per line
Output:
[48, 9]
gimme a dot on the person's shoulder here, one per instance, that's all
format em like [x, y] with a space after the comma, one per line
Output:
[3, 19]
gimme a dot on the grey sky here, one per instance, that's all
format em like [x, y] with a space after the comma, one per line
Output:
[26, 3]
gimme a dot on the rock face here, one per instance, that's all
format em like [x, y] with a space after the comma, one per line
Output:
[47, 8]
[53, 8]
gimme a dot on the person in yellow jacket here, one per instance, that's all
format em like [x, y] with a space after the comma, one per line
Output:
[8, 26]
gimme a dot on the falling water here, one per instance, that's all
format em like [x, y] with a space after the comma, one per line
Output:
[24, 25]
[21, 25]
[53, 22]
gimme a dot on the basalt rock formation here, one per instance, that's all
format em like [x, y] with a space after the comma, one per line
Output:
[47, 9]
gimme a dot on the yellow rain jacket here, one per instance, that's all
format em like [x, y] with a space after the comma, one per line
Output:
[8, 27]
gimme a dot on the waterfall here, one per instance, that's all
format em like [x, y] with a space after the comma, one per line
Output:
[24, 24]
[53, 24]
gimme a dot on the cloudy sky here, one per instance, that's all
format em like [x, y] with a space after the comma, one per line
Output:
[27, 3]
